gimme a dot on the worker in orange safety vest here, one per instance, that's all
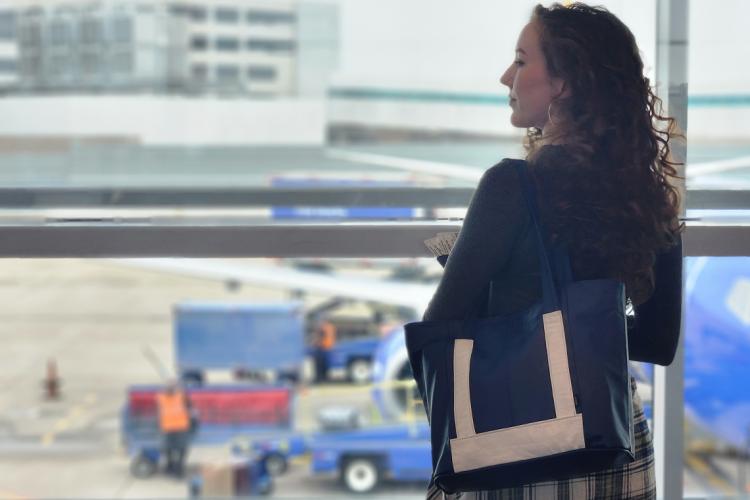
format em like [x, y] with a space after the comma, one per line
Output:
[174, 423]
[325, 341]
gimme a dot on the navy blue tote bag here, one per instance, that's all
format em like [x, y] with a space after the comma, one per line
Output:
[539, 395]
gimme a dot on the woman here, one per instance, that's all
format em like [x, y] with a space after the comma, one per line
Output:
[601, 168]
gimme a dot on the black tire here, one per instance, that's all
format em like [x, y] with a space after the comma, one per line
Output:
[360, 475]
[267, 489]
[142, 467]
[276, 464]
[360, 371]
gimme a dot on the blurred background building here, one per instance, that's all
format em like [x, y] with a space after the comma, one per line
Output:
[243, 47]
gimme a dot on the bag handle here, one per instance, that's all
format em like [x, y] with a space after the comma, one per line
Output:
[550, 297]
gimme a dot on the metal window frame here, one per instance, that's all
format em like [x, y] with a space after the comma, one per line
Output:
[279, 239]
[109, 197]
[672, 39]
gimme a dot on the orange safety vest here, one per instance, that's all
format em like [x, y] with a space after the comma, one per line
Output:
[328, 336]
[173, 413]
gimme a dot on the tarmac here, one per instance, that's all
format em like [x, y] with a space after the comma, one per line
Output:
[94, 318]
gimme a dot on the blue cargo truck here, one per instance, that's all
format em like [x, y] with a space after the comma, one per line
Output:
[364, 458]
[246, 338]
[352, 358]
[260, 337]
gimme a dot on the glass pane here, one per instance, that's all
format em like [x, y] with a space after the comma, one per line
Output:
[258, 16]
[224, 15]
[199, 42]
[717, 404]
[717, 374]
[195, 95]
[227, 44]
[89, 343]
[718, 102]
[7, 24]
[312, 80]
[122, 30]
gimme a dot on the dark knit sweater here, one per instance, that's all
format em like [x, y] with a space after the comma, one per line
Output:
[496, 250]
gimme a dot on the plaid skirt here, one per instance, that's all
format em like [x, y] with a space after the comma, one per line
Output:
[634, 480]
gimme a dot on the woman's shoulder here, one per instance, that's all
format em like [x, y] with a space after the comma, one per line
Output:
[503, 176]
[502, 171]
[500, 186]
[545, 155]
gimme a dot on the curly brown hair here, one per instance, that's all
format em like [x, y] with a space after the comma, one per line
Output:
[610, 199]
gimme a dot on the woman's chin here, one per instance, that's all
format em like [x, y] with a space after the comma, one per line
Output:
[517, 122]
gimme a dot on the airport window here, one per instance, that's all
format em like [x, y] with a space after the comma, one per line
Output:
[24, 67]
[256, 16]
[191, 12]
[90, 64]
[198, 14]
[261, 72]
[91, 30]
[33, 12]
[199, 42]
[59, 66]
[122, 63]
[227, 72]
[60, 33]
[227, 44]
[267, 45]
[179, 10]
[122, 30]
[7, 25]
[31, 34]
[199, 72]
[225, 15]
[8, 65]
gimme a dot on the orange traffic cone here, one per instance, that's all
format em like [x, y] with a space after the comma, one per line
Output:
[52, 381]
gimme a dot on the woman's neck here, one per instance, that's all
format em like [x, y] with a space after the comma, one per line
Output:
[551, 136]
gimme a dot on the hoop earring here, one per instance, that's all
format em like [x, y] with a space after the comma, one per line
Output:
[549, 114]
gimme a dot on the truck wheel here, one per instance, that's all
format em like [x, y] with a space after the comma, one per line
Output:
[142, 467]
[193, 378]
[266, 488]
[360, 475]
[275, 464]
[360, 371]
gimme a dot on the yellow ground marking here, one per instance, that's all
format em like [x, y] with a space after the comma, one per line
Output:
[61, 425]
[67, 421]
[76, 411]
[698, 464]
[48, 438]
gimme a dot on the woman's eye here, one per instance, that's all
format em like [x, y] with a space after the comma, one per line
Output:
[518, 62]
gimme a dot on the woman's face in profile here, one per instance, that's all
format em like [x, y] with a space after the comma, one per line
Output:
[531, 88]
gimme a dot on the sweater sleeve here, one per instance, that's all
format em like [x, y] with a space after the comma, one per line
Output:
[493, 221]
[656, 330]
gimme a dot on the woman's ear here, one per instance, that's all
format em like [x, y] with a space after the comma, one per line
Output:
[560, 88]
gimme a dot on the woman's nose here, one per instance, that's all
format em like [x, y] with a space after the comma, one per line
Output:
[505, 78]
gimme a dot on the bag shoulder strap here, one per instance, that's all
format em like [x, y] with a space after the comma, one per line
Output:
[558, 253]
[550, 296]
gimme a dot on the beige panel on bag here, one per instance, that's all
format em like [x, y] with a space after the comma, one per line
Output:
[470, 450]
